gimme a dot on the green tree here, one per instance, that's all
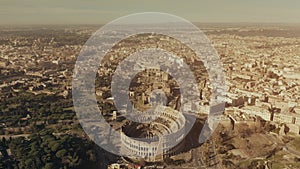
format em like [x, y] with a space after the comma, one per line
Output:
[48, 166]
[61, 153]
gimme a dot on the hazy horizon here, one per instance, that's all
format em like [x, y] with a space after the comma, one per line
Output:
[195, 23]
[74, 12]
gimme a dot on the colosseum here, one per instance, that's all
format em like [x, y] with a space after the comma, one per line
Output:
[162, 137]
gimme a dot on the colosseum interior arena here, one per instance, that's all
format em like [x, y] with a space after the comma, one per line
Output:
[154, 141]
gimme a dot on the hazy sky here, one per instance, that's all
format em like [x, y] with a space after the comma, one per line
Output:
[103, 11]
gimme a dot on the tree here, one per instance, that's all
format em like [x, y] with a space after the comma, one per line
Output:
[74, 160]
[29, 163]
[55, 146]
[91, 155]
[4, 141]
[61, 153]
[48, 166]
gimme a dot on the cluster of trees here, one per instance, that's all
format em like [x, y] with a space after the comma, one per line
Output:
[40, 107]
[5, 160]
[44, 150]
[48, 147]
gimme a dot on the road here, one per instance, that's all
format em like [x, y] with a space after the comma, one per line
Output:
[14, 136]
